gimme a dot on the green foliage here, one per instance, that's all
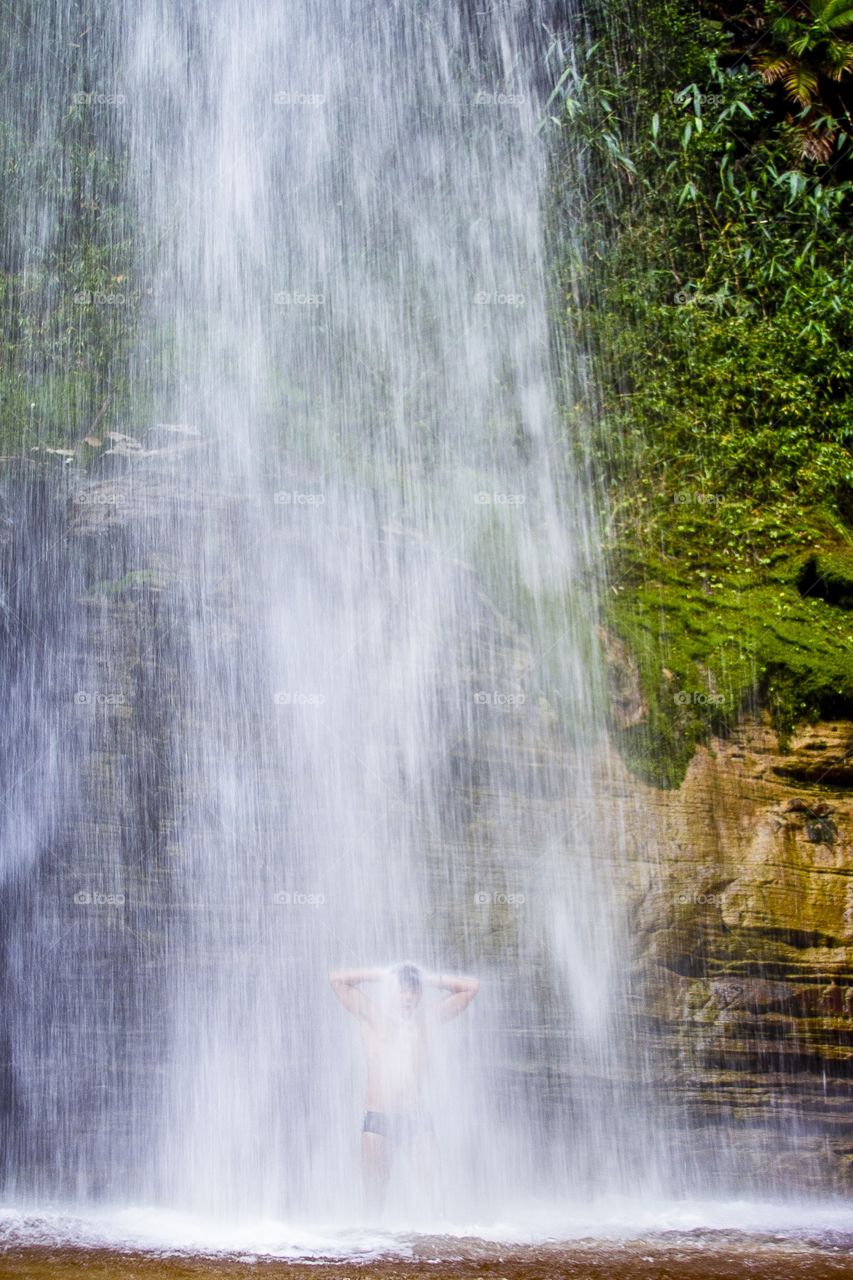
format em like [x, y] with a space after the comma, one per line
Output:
[809, 50]
[717, 300]
[732, 607]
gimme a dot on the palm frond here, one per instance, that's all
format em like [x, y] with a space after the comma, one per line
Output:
[833, 14]
[801, 85]
[773, 66]
[814, 144]
[802, 43]
[783, 28]
[839, 59]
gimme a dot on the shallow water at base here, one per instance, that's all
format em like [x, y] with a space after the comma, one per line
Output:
[611, 1222]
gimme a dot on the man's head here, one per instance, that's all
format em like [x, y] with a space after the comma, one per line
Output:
[408, 976]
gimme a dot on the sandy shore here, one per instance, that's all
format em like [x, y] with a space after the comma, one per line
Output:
[691, 1256]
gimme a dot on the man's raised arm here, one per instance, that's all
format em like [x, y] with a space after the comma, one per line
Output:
[461, 993]
[345, 984]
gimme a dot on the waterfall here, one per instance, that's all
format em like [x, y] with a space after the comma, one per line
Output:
[302, 670]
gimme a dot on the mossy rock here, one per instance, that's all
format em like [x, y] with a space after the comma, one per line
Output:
[714, 636]
[828, 576]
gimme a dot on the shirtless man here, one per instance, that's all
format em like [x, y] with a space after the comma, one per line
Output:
[396, 1045]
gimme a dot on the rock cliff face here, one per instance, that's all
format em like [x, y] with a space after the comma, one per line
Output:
[740, 887]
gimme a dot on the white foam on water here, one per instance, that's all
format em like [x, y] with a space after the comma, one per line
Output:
[609, 1219]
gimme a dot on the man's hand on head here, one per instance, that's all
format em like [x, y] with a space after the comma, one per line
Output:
[346, 986]
[461, 992]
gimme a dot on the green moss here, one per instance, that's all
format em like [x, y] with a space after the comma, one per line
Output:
[719, 622]
[829, 576]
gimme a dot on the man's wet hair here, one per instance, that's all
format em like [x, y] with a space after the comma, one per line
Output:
[409, 977]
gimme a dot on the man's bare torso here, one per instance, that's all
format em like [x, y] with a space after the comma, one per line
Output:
[397, 1052]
